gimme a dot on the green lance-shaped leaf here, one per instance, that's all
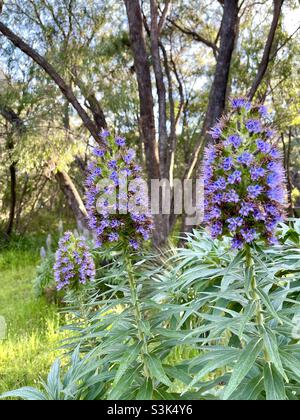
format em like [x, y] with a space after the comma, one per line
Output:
[146, 391]
[27, 393]
[243, 366]
[291, 363]
[271, 346]
[274, 385]
[156, 369]
[265, 299]
[122, 386]
[54, 384]
[219, 361]
[129, 357]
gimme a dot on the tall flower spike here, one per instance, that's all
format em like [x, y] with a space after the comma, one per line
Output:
[245, 184]
[117, 206]
[74, 263]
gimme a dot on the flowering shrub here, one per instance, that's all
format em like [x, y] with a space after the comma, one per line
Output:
[245, 193]
[74, 263]
[116, 202]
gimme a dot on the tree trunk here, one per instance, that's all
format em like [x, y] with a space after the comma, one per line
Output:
[147, 120]
[218, 92]
[13, 199]
[217, 97]
[74, 200]
[268, 49]
[161, 91]
[65, 182]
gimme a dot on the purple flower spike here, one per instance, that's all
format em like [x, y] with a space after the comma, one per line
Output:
[74, 263]
[245, 159]
[238, 103]
[263, 110]
[109, 214]
[244, 178]
[235, 140]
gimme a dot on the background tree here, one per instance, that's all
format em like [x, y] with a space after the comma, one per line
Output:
[154, 70]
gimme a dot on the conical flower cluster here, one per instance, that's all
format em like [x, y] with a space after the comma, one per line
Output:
[245, 184]
[116, 201]
[74, 263]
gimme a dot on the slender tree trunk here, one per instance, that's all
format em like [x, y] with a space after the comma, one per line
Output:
[218, 92]
[161, 90]
[65, 182]
[142, 68]
[287, 148]
[74, 200]
[147, 119]
[13, 198]
[21, 201]
[268, 49]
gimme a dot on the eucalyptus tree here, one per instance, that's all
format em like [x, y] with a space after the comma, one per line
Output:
[166, 79]
[34, 144]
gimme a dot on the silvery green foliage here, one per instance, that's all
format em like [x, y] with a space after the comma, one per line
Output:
[44, 276]
[79, 382]
[195, 334]
[252, 360]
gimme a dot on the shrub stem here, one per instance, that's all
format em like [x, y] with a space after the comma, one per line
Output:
[253, 287]
[137, 311]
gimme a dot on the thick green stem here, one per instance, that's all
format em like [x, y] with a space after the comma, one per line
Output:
[253, 292]
[137, 311]
[253, 287]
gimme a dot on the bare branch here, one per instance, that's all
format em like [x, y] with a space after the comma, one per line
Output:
[194, 35]
[163, 17]
[266, 58]
[284, 44]
[50, 70]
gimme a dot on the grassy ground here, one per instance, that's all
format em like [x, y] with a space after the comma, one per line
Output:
[27, 352]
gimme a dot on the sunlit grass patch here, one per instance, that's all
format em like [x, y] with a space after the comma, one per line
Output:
[32, 324]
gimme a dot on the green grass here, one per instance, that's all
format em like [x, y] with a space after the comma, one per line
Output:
[33, 325]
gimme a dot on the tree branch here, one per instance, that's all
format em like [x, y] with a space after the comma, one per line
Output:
[284, 44]
[52, 73]
[195, 36]
[142, 67]
[263, 66]
[161, 89]
[217, 97]
[163, 17]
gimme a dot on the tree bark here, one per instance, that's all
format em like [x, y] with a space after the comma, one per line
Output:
[65, 182]
[218, 92]
[147, 119]
[217, 97]
[161, 90]
[75, 202]
[50, 70]
[268, 49]
[142, 68]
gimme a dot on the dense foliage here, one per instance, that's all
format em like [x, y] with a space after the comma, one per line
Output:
[192, 330]
[151, 307]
